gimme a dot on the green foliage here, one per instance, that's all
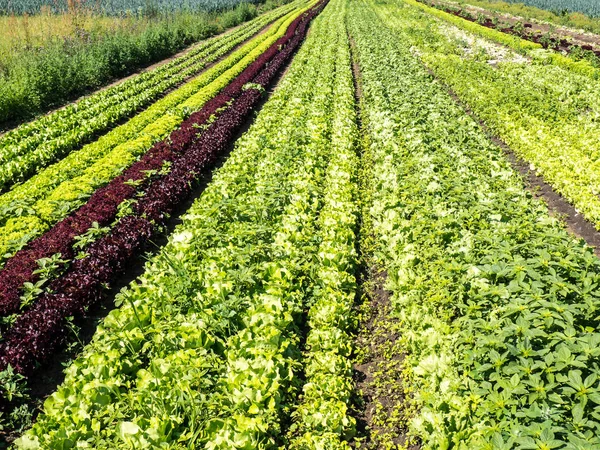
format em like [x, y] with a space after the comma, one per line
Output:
[546, 113]
[204, 348]
[322, 419]
[34, 80]
[48, 269]
[17, 413]
[563, 7]
[150, 8]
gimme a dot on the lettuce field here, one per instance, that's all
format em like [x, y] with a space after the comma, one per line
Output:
[342, 224]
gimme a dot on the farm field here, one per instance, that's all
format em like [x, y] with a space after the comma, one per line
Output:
[343, 224]
[588, 7]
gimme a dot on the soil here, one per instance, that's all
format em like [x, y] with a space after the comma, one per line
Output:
[374, 339]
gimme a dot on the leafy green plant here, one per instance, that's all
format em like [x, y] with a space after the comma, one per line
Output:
[13, 389]
[48, 269]
[94, 233]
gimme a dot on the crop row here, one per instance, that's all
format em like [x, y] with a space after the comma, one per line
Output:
[211, 330]
[589, 7]
[38, 204]
[34, 145]
[117, 7]
[496, 304]
[322, 418]
[546, 114]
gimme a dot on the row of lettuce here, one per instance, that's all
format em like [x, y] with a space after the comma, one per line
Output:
[495, 304]
[34, 145]
[205, 349]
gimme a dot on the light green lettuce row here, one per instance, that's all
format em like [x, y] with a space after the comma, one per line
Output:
[34, 145]
[260, 382]
[61, 188]
[175, 320]
[322, 419]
